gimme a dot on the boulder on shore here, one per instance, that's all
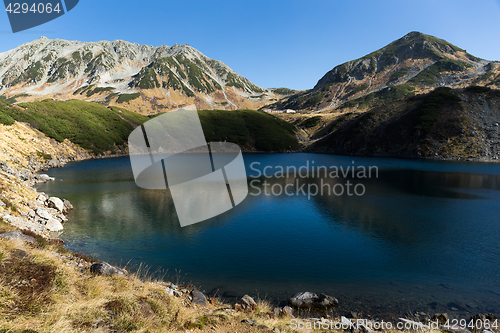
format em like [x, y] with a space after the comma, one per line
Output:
[43, 213]
[103, 268]
[54, 202]
[54, 225]
[198, 297]
[18, 235]
[308, 300]
[246, 304]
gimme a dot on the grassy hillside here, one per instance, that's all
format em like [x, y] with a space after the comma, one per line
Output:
[249, 129]
[444, 123]
[89, 125]
[104, 129]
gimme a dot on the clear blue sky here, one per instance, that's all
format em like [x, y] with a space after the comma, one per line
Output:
[275, 43]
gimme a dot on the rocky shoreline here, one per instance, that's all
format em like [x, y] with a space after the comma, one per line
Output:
[24, 207]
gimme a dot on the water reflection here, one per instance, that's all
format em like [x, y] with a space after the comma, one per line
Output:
[425, 224]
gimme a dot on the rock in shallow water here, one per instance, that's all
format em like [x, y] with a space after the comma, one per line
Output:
[67, 205]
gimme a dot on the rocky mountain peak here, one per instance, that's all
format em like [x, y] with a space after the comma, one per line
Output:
[104, 70]
[410, 65]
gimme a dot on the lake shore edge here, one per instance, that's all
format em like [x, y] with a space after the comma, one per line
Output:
[23, 197]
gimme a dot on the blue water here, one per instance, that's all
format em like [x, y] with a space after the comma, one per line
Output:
[423, 232]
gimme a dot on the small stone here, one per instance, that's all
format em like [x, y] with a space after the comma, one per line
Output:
[251, 322]
[42, 197]
[287, 312]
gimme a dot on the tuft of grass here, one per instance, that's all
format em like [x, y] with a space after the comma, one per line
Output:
[478, 89]
[311, 122]
[9, 204]
[125, 98]
[44, 156]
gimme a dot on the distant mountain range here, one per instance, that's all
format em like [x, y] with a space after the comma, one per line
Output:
[143, 78]
[150, 80]
[416, 63]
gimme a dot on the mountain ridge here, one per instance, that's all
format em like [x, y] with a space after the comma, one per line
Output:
[165, 77]
[422, 61]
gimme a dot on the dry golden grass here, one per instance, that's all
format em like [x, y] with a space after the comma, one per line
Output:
[42, 291]
[74, 300]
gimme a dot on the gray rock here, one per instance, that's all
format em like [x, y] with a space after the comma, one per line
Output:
[18, 235]
[246, 304]
[441, 318]
[2, 204]
[484, 316]
[43, 213]
[103, 268]
[43, 178]
[251, 322]
[32, 214]
[20, 254]
[56, 203]
[42, 197]
[67, 205]
[54, 225]
[61, 218]
[199, 298]
[308, 300]
[284, 311]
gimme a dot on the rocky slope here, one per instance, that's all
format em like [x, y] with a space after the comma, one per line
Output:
[23, 152]
[459, 124]
[143, 78]
[413, 64]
